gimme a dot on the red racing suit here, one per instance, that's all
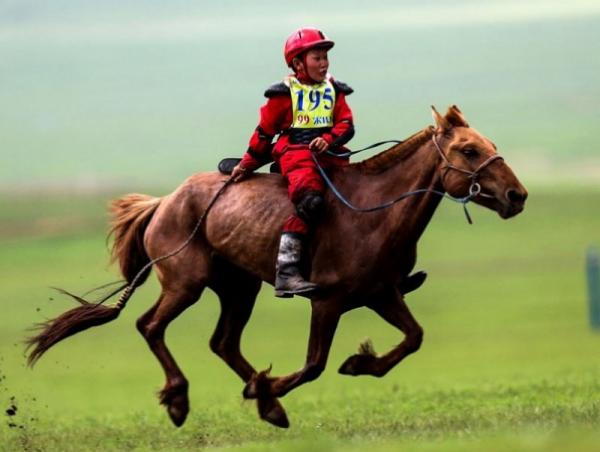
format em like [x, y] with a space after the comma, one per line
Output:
[291, 149]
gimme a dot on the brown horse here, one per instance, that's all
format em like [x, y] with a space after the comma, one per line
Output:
[358, 259]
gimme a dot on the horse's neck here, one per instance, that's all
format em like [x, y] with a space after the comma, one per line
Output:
[418, 168]
[420, 171]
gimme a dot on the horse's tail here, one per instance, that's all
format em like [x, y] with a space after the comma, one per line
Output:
[130, 217]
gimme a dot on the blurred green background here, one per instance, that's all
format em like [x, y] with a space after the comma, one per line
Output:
[100, 99]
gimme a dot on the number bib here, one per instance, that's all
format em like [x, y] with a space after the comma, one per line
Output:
[312, 105]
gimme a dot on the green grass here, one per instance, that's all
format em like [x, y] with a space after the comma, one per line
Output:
[508, 360]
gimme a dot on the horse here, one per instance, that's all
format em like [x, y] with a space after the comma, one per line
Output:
[357, 259]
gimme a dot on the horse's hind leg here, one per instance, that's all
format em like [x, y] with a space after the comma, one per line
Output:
[237, 291]
[152, 325]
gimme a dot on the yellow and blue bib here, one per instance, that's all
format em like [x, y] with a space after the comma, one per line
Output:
[312, 105]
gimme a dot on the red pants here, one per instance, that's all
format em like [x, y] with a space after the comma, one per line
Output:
[302, 176]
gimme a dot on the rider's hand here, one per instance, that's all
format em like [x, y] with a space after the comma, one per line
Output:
[319, 145]
[238, 173]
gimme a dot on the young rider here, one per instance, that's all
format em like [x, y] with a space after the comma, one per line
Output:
[309, 113]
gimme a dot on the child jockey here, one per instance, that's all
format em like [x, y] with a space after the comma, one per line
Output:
[309, 113]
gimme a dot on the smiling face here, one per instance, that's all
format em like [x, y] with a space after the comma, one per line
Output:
[314, 64]
[467, 149]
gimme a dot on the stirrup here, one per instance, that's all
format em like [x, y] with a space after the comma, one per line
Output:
[282, 293]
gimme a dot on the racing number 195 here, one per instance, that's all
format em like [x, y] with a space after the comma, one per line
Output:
[314, 97]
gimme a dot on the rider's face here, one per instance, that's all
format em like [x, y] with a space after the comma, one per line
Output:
[316, 64]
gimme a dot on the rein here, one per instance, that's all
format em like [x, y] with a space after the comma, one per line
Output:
[474, 188]
[351, 153]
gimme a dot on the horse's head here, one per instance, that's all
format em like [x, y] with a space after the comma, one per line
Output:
[472, 165]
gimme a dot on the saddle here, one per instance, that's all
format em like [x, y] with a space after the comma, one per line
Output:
[226, 166]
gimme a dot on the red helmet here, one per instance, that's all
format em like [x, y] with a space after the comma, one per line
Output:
[304, 39]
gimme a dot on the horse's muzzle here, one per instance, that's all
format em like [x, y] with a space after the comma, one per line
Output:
[513, 202]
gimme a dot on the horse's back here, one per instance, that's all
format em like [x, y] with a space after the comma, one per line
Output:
[243, 225]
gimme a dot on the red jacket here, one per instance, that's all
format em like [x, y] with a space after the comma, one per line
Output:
[276, 117]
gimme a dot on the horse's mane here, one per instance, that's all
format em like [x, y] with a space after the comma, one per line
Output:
[399, 152]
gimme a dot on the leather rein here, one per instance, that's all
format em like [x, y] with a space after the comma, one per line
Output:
[474, 188]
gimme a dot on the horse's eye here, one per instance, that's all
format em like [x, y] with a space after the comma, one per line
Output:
[470, 152]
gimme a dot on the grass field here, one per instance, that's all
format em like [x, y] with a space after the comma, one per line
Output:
[508, 360]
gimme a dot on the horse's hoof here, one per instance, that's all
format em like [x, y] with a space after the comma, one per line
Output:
[272, 411]
[178, 410]
[357, 365]
[412, 282]
[175, 398]
[348, 367]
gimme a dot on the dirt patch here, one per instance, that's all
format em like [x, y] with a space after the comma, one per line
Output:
[11, 412]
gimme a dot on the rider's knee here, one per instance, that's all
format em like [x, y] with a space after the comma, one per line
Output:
[311, 207]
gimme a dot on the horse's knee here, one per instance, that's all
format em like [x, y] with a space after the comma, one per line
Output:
[217, 346]
[313, 371]
[415, 339]
[223, 349]
[214, 346]
[140, 324]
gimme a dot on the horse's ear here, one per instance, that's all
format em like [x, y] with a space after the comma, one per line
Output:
[440, 121]
[455, 117]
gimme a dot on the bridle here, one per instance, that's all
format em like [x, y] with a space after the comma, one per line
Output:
[475, 187]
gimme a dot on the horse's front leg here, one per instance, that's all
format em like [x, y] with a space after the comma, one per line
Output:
[392, 308]
[324, 320]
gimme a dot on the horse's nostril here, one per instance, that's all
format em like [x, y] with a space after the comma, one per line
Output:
[515, 195]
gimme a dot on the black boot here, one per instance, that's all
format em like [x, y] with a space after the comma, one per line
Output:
[288, 280]
[412, 282]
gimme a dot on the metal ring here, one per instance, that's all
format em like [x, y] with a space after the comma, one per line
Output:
[474, 189]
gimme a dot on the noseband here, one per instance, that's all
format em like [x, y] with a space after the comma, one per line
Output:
[475, 187]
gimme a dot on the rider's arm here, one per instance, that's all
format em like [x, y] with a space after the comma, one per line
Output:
[343, 125]
[272, 115]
